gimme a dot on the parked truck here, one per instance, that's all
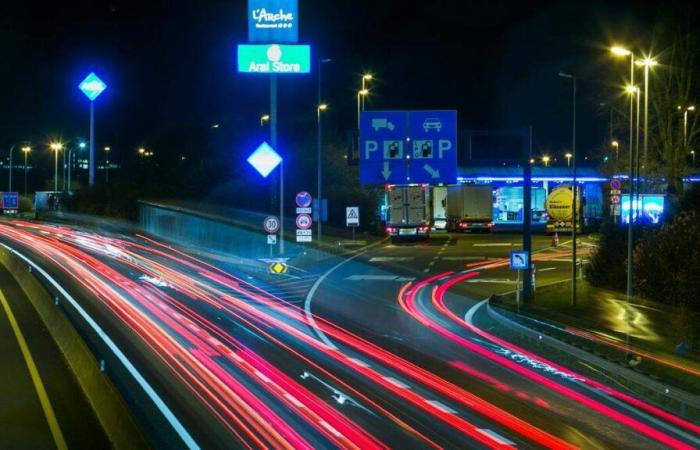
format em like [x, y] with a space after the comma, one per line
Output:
[469, 208]
[408, 212]
[559, 207]
[439, 210]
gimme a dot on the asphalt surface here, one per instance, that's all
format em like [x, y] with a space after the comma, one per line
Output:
[41, 404]
[386, 359]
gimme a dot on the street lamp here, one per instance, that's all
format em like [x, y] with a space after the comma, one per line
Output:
[81, 145]
[686, 110]
[545, 160]
[264, 118]
[12, 149]
[365, 79]
[692, 154]
[56, 147]
[623, 52]
[616, 146]
[574, 186]
[568, 159]
[26, 149]
[646, 63]
[361, 94]
[107, 149]
[142, 151]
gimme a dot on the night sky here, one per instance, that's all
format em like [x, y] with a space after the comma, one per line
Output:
[170, 67]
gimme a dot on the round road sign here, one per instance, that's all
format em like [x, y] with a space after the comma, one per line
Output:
[615, 184]
[271, 224]
[303, 221]
[303, 199]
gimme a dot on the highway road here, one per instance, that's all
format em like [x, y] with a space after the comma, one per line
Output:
[377, 354]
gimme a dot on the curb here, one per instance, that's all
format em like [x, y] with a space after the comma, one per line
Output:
[681, 400]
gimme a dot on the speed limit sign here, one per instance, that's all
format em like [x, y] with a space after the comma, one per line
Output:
[271, 224]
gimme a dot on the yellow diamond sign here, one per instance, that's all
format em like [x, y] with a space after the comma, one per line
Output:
[278, 267]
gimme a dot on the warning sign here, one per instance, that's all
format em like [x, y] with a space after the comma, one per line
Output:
[352, 216]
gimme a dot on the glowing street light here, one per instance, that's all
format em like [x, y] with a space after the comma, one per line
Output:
[92, 87]
[264, 118]
[26, 149]
[545, 160]
[686, 110]
[56, 147]
[107, 150]
[568, 159]
[620, 51]
[616, 146]
[367, 77]
[9, 181]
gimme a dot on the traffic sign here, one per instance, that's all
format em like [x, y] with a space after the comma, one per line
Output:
[303, 199]
[615, 199]
[264, 159]
[304, 221]
[271, 224]
[615, 184]
[278, 267]
[408, 147]
[92, 86]
[519, 259]
[304, 238]
[352, 216]
[9, 202]
[304, 232]
[272, 239]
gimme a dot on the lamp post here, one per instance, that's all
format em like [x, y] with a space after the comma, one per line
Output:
[616, 146]
[264, 118]
[92, 87]
[56, 147]
[319, 164]
[360, 95]
[12, 149]
[647, 63]
[365, 79]
[686, 110]
[574, 187]
[81, 145]
[619, 51]
[692, 155]
[107, 149]
[26, 149]
[568, 159]
[545, 160]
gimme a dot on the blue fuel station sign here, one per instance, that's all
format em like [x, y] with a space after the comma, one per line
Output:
[399, 147]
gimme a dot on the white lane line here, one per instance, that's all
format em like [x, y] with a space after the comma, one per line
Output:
[390, 258]
[426, 270]
[295, 401]
[465, 258]
[262, 376]
[495, 436]
[372, 277]
[330, 428]
[148, 389]
[491, 280]
[441, 406]
[359, 362]
[544, 269]
[494, 244]
[396, 382]
[567, 260]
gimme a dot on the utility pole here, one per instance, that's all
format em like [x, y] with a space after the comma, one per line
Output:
[527, 218]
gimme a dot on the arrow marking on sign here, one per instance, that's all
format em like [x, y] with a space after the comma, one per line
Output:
[433, 172]
[386, 172]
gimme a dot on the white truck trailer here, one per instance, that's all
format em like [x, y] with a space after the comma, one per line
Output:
[469, 208]
[408, 214]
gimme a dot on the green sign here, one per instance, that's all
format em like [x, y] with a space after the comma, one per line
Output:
[274, 58]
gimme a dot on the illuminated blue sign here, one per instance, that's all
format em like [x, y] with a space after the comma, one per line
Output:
[649, 206]
[519, 259]
[273, 21]
[92, 86]
[274, 58]
[264, 159]
[398, 147]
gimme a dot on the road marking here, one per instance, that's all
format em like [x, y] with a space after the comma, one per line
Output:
[544, 269]
[148, 389]
[495, 436]
[441, 406]
[36, 379]
[491, 280]
[431, 263]
[330, 428]
[494, 244]
[372, 277]
[390, 258]
[359, 362]
[396, 382]
[426, 270]
[465, 258]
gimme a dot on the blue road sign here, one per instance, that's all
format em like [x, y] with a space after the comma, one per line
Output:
[264, 159]
[9, 201]
[519, 259]
[92, 86]
[398, 147]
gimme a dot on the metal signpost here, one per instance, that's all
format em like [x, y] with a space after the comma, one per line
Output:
[519, 260]
[304, 222]
[352, 218]
[92, 87]
[399, 147]
[271, 224]
[274, 28]
[615, 196]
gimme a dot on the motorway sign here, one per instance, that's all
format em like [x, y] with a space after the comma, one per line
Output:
[278, 267]
[398, 147]
[9, 202]
[519, 259]
[352, 216]
[304, 221]
[271, 224]
[303, 199]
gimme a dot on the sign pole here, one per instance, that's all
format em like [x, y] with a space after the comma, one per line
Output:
[527, 218]
[92, 143]
[273, 140]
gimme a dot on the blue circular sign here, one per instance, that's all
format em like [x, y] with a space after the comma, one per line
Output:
[303, 199]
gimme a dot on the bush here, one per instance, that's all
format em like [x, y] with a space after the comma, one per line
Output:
[667, 263]
[607, 268]
[25, 204]
[114, 200]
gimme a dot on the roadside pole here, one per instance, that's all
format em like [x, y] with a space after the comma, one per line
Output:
[527, 217]
[273, 141]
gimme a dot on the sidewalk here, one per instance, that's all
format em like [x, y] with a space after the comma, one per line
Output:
[642, 336]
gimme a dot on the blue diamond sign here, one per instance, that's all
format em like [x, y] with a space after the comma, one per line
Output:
[92, 86]
[264, 159]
